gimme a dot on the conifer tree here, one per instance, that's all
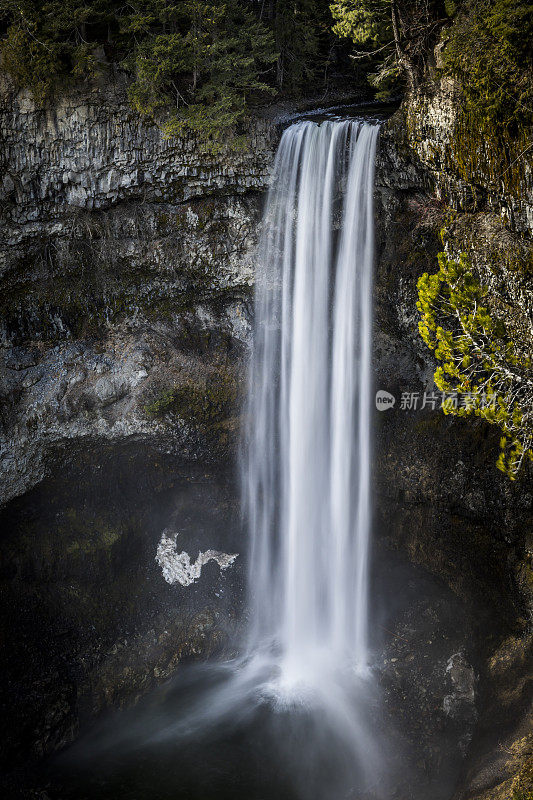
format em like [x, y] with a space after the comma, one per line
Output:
[208, 59]
[46, 43]
[202, 60]
[301, 28]
[397, 34]
[479, 357]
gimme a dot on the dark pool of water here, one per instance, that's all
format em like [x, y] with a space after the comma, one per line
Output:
[178, 744]
[171, 745]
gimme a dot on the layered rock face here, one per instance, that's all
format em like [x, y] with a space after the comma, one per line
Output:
[125, 270]
[424, 206]
[438, 466]
[439, 494]
[126, 273]
[462, 170]
[90, 151]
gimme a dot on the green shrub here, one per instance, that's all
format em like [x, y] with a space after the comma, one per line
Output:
[478, 356]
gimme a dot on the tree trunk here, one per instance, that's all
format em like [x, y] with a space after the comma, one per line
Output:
[402, 58]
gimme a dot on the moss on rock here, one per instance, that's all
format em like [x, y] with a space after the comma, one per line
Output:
[208, 404]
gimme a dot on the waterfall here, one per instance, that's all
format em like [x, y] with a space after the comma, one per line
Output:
[298, 712]
[306, 472]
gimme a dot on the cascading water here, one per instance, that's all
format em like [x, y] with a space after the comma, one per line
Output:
[300, 696]
[306, 473]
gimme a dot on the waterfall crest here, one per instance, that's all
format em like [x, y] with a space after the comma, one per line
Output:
[306, 471]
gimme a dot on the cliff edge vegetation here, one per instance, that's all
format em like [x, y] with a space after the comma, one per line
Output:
[193, 64]
[488, 373]
[466, 72]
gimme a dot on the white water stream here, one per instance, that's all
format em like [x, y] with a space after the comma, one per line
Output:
[297, 715]
[308, 441]
[306, 475]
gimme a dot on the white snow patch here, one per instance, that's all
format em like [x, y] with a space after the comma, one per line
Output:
[177, 567]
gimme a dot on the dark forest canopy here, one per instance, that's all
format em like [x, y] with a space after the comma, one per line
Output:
[203, 63]
[205, 60]
[396, 35]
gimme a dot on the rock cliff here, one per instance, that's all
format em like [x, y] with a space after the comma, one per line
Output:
[125, 268]
[126, 273]
[439, 494]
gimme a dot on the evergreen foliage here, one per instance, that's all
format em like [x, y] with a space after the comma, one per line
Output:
[489, 51]
[203, 59]
[366, 22]
[302, 29]
[395, 36]
[44, 43]
[196, 63]
[479, 357]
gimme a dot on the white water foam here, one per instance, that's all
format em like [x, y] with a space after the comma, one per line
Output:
[308, 444]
